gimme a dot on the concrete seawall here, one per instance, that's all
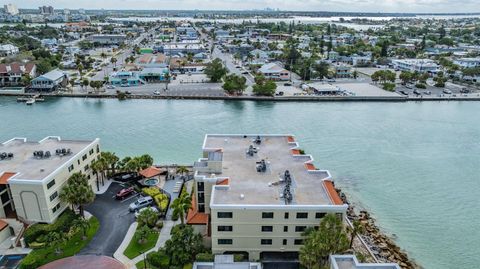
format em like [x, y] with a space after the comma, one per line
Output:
[265, 98]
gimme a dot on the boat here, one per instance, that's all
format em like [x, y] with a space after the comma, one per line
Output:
[30, 102]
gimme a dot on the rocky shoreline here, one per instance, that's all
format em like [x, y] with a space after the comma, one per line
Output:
[382, 246]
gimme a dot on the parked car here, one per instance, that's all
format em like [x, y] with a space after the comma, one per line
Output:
[111, 87]
[128, 92]
[428, 92]
[464, 90]
[404, 92]
[124, 193]
[245, 73]
[287, 84]
[157, 92]
[145, 208]
[124, 176]
[140, 203]
[447, 91]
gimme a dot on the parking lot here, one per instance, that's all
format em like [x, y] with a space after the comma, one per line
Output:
[114, 218]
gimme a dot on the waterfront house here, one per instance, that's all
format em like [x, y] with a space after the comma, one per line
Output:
[52, 80]
[126, 78]
[153, 74]
[11, 74]
[257, 194]
[8, 49]
[342, 71]
[419, 65]
[274, 71]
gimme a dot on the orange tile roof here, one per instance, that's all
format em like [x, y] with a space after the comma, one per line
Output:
[295, 152]
[332, 192]
[291, 139]
[195, 217]
[3, 225]
[150, 172]
[223, 182]
[5, 176]
[310, 166]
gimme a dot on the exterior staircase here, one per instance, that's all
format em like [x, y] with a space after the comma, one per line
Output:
[18, 228]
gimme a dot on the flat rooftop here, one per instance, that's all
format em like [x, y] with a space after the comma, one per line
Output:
[247, 186]
[27, 166]
[351, 262]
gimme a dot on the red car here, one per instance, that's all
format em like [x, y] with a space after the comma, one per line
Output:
[124, 193]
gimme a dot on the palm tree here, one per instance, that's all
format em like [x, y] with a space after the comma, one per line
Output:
[181, 205]
[82, 225]
[182, 170]
[96, 167]
[167, 80]
[110, 158]
[147, 217]
[145, 161]
[77, 192]
[113, 60]
[357, 228]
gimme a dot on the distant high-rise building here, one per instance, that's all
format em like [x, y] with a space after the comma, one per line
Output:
[11, 9]
[66, 11]
[81, 11]
[46, 10]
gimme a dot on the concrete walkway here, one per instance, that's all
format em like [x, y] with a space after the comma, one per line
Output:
[162, 238]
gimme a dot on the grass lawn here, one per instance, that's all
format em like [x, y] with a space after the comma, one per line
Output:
[141, 265]
[71, 247]
[134, 248]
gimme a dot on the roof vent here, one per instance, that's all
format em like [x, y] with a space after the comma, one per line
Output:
[42, 170]
[242, 196]
[212, 175]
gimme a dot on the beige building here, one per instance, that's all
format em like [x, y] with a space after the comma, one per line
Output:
[256, 195]
[33, 173]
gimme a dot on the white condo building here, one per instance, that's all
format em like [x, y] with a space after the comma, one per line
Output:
[11, 9]
[418, 65]
[33, 173]
[255, 195]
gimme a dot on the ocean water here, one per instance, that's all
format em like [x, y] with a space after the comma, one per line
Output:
[415, 166]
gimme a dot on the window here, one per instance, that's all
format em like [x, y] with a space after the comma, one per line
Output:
[70, 168]
[286, 215]
[201, 208]
[267, 228]
[319, 215]
[302, 215]
[51, 183]
[91, 151]
[224, 215]
[284, 242]
[267, 215]
[53, 196]
[200, 186]
[78, 161]
[300, 229]
[55, 208]
[98, 149]
[266, 241]
[225, 241]
[225, 228]
[285, 228]
[84, 157]
[201, 198]
[86, 167]
[298, 242]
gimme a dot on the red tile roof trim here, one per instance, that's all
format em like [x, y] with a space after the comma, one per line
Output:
[332, 193]
[3, 225]
[5, 176]
[223, 182]
[291, 139]
[310, 166]
[194, 217]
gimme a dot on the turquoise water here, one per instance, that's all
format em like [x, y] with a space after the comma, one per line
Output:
[414, 165]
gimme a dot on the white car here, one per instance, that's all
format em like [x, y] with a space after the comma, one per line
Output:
[110, 87]
[145, 208]
[140, 203]
[157, 92]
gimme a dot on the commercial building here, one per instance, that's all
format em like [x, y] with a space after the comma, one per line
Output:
[32, 175]
[46, 10]
[11, 9]
[351, 262]
[274, 71]
[418, 65]
[468, 62]
[50, 81]
[107, 39]
[255, 195]
[8, 49]
[181, 48]
[11, 74]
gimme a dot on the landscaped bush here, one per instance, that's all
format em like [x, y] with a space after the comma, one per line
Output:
[158, 259]
[238, 257]
[161, 199]
[37, 232]
[421, 86]
[204, 257]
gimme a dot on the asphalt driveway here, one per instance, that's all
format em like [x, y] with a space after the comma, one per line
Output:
[114, 222]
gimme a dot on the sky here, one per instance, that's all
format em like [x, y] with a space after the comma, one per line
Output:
[413, 6]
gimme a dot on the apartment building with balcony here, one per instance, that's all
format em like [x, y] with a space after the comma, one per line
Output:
[33, 173]
[255, 195]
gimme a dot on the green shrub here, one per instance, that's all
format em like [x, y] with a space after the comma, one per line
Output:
[37, 232]
[204, 257]
[151, 191]
[389, 87]
[238, 257]
[161, 199]
[301, 151]
[35, 245]
[158, 259]
[421, 86]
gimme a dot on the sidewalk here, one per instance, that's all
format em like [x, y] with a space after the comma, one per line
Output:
[119, 253]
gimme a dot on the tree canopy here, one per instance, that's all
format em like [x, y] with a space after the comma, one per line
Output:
[215, 70]
[264, 87]
[77, 191]
[234, 84]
